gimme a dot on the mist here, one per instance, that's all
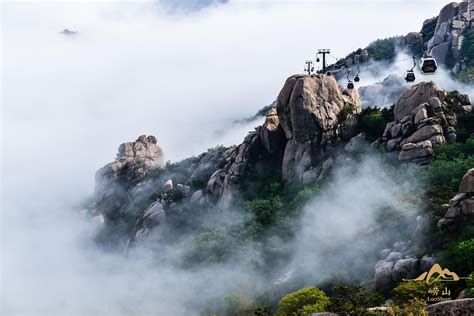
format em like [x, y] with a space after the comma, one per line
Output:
[135, 68]
[344, 227]
[382, 82]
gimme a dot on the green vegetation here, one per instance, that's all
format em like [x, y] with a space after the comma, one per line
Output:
[414, 307]
[465, 125]
[470, 285]
[467, 52]
[429, 29]
[467, 49]
[466, 75]
[372, 121]
[384, 49]
[461, 256]
[346, 111]
[303, 302]
[451, 161]
[406, 292]
[353, 299]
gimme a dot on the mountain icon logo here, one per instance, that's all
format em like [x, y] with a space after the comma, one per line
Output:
[437, 274]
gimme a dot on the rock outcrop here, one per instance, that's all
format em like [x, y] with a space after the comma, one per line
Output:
[134, 162]
[295, 138]
[399, 263]
[462, 204]
[309, 109]
[443, 37]
[425, 117]
[455, 307]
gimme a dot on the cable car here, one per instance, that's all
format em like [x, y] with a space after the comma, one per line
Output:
[428, 65]
[410, 76]
[350, 85]
[356, 78]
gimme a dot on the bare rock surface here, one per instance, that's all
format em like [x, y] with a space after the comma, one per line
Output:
[425, 118]
[455, 307]
[462, 204]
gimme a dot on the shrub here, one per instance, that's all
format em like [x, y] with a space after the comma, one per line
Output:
[413, 307]
[354, 299]
[451, 161]
[346, 111]
[239, 304]
[372, 121]
[470, 285]
[294, 304]
[461, 256]
[409, 291]
[467, 49]
[265, 210]
[384, 49]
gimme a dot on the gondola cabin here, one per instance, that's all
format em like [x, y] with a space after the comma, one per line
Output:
[428, 65]
[410, 76]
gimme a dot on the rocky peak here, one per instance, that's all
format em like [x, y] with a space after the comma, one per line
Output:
[447, 34]
[309, 105]
[296, 137]
[134, 162]
[144, 149]
[425, 117]
[415, 96]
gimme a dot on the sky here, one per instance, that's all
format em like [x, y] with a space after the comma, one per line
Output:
[182, 71]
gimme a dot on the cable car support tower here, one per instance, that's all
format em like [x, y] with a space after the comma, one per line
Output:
[323, 52]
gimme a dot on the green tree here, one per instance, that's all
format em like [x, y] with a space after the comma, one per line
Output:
[414, 307]
[408, 291]
[304, 301]
[470, 285]
[372, 121]
[461, 256]
[384, 49]
[353, 299]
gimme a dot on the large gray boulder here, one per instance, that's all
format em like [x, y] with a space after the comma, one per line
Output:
[467, 182]
[405, 269]
[312, 106]
[415, 96]
[309, 109]
[412, 151]
[462, 204]
[383, 275]
[463, 306]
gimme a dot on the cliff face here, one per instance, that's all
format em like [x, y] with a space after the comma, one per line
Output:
[448, 36]
[295, 139]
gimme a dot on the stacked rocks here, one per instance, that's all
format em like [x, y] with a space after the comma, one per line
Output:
[463, 203]
[422, 122]
[397, 264]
